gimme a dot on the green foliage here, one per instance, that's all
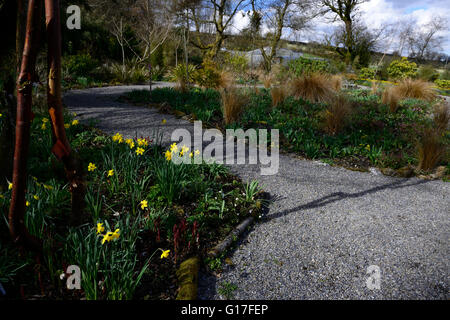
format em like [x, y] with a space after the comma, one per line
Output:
[302, 66]
[80, 65]
[178, 73]
[428, 73]
[208, 76]
[443, 84]
[367, 73]
[402, 69]
[237, 63]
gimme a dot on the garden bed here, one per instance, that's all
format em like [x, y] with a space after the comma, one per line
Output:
[147, 203]
[371, 136]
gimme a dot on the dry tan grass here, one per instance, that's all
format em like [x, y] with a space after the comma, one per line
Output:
[313, 87]
[233, 102]
[278, 95]
[418, 89]
[226, 79]
[374, 88]
[391, 97]
[336, 115]
[336, 82]
[441, 117]
[266, 78]
[431, 150]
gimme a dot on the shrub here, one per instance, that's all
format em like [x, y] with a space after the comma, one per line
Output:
[443, 84]
[367, 73]
[445, 75]
[131, 73]
[80, 65]
[237, 63]
[232, 104]
[302, 66]
[431, 150]
[417, 89]
[337, 114]
[208, 76]
[402, 69]
[278, 95]
[178, 74]
[313, 87]
[428, 73]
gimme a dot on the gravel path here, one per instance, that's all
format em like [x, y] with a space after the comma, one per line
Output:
[326, 225]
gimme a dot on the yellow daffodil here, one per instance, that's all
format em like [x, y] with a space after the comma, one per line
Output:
[130, 143]
[2, 196]
[36, 197]
[168, 155]
[44, 120]
[184, 149]
[27, 203]
[100, 228]
[43, 126]
[368, 147]
[174, 147]
[1, 115]
[144, 204]
[10, 186]
[191, 155]
[142, 142]
[197, 152]
[118, 138]
[116, 234]
[110, 173]
[164, 121]
[165, 254]
[107, 237]
[75, 122]
[66, 125]
[140, 151]
[91, 167]
[48, 187]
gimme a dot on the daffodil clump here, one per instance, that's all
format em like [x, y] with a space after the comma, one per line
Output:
[108, 236]
[175, 151]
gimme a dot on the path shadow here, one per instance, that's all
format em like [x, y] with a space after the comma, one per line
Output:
[338, 196]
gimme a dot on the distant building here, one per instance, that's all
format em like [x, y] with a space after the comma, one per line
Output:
[283, 56]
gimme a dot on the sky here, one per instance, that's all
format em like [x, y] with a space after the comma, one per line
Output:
[376, 13]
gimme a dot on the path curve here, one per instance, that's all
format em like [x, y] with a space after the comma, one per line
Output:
[326, 225]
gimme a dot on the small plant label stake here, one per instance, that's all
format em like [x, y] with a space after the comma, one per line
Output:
[73, 281]
[74, 20]
[374, 280]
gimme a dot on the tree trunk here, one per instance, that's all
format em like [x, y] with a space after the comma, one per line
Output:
[17, 227]
[61, 148]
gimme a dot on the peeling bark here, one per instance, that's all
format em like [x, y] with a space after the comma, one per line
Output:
[61, 148]
[17, 227]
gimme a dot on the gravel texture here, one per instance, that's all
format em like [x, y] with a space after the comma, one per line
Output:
[325, 227]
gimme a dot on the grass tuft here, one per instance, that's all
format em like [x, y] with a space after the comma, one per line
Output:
[312, 87]
[391, 97]
[337, 114]
[233, 102]
[417, 89]
[278, 95]
[441, 117]
[431, 149]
